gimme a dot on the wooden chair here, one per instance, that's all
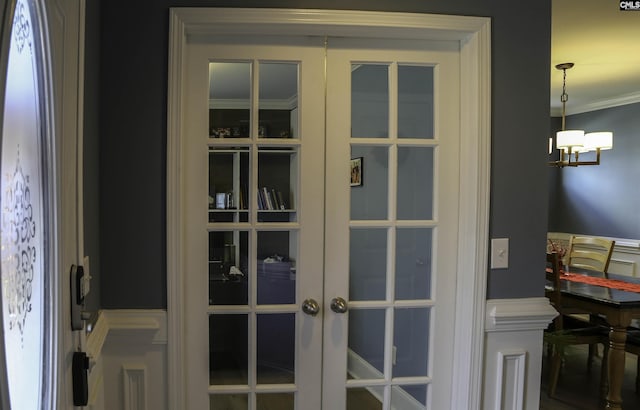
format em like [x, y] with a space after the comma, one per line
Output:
[592, 253]
[559, 334]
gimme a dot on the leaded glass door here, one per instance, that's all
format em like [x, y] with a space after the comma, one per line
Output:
[27, 219]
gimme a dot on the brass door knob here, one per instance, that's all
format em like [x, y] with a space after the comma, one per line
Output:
[310, 307]
[339, 305]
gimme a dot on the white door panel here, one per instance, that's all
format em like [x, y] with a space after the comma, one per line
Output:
[254, 229]
[386, 152]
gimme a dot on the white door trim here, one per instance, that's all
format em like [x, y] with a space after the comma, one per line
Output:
[473, 33]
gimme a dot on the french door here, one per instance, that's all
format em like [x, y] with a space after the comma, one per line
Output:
[321, 221]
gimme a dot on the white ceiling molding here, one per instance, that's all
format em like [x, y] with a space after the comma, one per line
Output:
[599, 105]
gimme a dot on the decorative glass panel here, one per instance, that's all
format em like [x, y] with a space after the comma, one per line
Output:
[24, 261]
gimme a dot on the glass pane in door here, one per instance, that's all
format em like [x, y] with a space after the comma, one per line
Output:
[415, 183]
[409, 397]
[228, 184]
[275, 401]
[411, 328]
[278, 100]
[229, 99]
[276, 348]
[276, 267]
[228, 267]
[369, 200]
[413, 263]
[277, 184]
[367, 264]
[229, 402]
[369, 101]
[366, 343]
[228, 349]
[365, 398]
[415, 102]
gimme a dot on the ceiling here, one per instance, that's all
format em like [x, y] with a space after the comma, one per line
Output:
[604, 44]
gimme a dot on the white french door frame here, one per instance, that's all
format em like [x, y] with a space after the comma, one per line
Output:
[473, 35]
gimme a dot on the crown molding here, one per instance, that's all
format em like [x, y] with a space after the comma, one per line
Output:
[599, 105]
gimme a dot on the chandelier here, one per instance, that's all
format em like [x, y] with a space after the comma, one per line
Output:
[572, 143]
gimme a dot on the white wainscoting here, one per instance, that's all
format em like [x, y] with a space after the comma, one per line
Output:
[625, 259]
[513, 352]
[128, 356]
[128, 351]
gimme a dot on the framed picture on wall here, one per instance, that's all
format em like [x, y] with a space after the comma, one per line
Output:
[356, 171]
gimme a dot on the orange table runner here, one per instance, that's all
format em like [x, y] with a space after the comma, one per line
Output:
[608, 283]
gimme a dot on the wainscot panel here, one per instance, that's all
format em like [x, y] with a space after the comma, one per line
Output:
[513, 352]
[128, 360]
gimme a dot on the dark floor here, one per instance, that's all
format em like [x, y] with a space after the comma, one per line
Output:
[579, 389]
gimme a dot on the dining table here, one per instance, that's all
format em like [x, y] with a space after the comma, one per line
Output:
[615, 298]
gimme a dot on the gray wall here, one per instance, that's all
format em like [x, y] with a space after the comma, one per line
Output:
[132, 141]
[601, 200]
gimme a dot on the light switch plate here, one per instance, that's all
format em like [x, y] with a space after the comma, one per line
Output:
[499, 253]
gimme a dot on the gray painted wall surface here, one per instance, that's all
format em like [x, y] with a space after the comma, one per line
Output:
[133, 104]
[601, 200]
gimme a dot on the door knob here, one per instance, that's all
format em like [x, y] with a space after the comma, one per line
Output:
[339, 305]
[310, 307]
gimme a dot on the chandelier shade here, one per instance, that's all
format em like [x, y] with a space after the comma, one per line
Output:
[572, 143]
[570, 138]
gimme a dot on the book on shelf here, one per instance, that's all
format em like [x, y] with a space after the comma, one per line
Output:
[269, 199]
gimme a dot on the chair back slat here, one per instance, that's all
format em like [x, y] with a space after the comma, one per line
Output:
[592, 253]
